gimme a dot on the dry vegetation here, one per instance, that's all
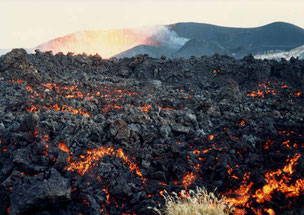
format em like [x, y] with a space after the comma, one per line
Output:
[198, 202]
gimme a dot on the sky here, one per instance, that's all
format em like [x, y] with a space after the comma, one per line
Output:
[28, 23]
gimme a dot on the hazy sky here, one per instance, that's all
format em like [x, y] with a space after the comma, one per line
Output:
[28, 23]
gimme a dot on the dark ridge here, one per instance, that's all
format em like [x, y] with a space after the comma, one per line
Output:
[242, 41]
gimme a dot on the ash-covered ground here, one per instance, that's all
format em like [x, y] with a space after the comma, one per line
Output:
[83, 135]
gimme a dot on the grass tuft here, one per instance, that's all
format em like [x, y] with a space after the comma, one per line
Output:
[199, 202]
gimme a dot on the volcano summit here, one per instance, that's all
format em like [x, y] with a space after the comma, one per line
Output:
[274, 40]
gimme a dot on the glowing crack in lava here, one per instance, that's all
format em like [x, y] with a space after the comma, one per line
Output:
[275, 181]
[267, 88]
[105, 93]
[283, 185]
[91, 157]
[188, 179]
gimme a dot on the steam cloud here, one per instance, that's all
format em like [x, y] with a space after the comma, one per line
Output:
[163, 37]
[112, 42]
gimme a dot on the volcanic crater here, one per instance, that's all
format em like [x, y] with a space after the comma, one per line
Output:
[84, 135]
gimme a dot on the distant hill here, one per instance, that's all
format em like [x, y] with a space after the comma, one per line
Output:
[153, 51]
[195, 47]
[181, 40]
[206, 39]
[242, 41]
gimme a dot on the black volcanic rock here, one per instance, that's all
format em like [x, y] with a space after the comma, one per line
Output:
[30, 123]
[35, 194]
[13, 59]
[94, 136]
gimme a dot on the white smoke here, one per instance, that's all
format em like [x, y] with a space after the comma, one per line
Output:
[4, 51]
[162, 36]
[297, 52]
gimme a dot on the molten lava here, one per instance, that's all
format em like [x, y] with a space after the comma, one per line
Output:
[188, 179]
[88, 160]
[146, 108]
[63, 147]
[282, 185]
[268, 88]
[275, 181]
[204, 155]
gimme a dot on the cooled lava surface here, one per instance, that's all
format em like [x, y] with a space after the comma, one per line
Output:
[83, 135]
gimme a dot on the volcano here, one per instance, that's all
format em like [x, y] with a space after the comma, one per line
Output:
[181, 40]
[112, 42]
[84, 135]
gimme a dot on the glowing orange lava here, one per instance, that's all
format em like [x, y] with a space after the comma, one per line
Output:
[242, 194]
[146, 108]
[63, 147]
[188, 179]
[243, 123]
[268, 144]
[282, 185]
[210, 137]
[107, 196]
[68, 109]
[88, 160]
[267, 88]
[111, 107]
[276, 181]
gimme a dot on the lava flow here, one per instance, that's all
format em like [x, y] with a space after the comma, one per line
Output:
[83, 135]
[275, 181]
[88, 161]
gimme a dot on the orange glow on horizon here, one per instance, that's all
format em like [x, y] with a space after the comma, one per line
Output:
[105, 43]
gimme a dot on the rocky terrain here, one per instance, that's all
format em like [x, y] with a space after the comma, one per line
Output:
[83, 135]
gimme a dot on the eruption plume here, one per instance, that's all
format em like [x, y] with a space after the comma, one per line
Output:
[111, 42]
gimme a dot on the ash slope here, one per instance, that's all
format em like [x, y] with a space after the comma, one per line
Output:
[84, 135]
[206, 39]
[181, 40]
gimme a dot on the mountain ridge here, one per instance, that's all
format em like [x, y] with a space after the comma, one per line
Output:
[237, 42]
[183, 39]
